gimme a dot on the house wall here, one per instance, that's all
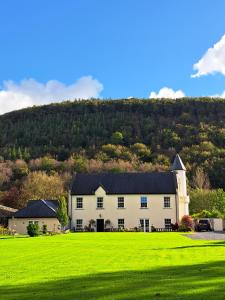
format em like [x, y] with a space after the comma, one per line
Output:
[132, 213]
[20, 224]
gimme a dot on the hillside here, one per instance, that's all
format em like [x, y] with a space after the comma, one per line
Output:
[88, 124]
[115, 136]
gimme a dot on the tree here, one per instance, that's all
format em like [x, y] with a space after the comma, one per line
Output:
[10, 197]
[219, 200]
[117, 138]
[20, 169]
[62, 212]
[201, 200]
[210, 200]
[200, 179]
[39, 185]
[142, 151]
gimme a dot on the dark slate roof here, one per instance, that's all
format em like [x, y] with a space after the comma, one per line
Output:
[38, 209]
[178, 164]
[125, 183]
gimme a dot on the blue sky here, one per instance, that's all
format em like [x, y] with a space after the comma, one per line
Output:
[111, 48]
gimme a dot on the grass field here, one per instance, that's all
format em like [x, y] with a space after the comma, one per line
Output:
[112, 266]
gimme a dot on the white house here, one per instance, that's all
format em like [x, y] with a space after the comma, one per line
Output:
[129, 200]
[41, 212]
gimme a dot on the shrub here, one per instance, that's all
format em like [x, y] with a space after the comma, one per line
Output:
[86, 228]
[183, 228]
[91, 226]
[107, 222]
[175, 226]
[207, 214]
[44, 229]
[187, 221]
[33, 230]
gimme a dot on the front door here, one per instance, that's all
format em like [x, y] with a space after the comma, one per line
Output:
[100, 225]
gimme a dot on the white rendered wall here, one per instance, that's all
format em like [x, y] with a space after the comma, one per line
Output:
[131, 213]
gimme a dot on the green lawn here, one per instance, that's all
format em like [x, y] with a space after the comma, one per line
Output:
[111, 266]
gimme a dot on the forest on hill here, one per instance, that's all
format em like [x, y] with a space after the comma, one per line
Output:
[57, 140]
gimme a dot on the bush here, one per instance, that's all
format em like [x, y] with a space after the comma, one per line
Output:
[44, 229]
[33, 230]
[175, 226]
[207, 214]
[187, 221]
[153, 229]
[183, 228]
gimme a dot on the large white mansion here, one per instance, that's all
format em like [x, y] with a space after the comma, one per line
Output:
[129, 200]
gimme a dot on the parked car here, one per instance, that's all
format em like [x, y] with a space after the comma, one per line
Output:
[203, 225]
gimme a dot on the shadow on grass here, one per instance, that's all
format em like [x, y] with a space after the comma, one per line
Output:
[202, 281]
[215, 244]
[13, 237]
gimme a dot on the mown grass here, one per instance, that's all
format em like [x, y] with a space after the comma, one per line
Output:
[112, 266]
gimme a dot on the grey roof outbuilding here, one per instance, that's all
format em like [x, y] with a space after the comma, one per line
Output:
[38, 209]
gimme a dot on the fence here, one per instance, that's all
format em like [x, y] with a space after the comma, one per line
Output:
[163, 229]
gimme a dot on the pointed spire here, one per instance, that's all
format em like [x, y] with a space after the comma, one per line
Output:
[178, 164]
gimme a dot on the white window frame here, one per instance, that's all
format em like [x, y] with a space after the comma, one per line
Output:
[33, 222]
[100, 203]
[167, 202]
[167, 223]
[121, 223]
[145, 224]
[79, 224]
[79, 203]
[120, 202]
[144, 204]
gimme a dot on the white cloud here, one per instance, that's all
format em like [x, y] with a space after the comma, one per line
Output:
[166, 92]
[212, 61]
[218, 95]
[30, 92]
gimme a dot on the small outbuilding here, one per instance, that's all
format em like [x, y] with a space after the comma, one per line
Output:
[41, 212]
[5, 213]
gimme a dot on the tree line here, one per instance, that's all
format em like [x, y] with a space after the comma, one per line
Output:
[58, 140]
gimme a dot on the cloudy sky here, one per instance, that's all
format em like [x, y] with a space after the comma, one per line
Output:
[53, 50]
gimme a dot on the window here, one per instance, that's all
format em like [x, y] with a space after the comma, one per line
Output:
[144, 224]
[120, 223]
[144, 202]
[79, 202]
[33, 222]
[99, 202]
[166, 202]
[79, 224]
[167, 223]
[120, 202]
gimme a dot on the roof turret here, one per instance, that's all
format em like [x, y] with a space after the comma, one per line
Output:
[178, 164]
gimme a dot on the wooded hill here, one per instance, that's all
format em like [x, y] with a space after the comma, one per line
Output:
[116, 129]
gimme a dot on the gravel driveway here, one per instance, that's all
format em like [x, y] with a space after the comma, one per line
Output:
[212, 235]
